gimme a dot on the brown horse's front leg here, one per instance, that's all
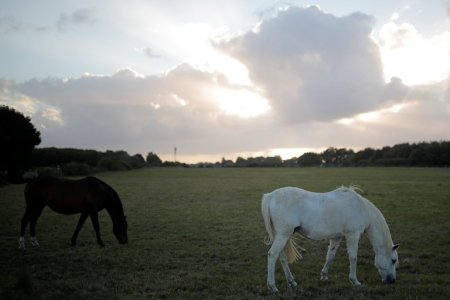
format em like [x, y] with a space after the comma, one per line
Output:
[94, 218]
[23, 223]
[81, 221]
[23, 226]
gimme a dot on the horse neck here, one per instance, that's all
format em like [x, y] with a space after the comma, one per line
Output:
[378, 231]
[114, 208]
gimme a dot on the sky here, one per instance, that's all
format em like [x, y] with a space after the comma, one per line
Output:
[222, 79]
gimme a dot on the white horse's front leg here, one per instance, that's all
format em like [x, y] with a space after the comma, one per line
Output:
[274, 253]
[331, 253]
[352, 249]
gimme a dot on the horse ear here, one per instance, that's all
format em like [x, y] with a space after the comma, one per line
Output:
[395, 247]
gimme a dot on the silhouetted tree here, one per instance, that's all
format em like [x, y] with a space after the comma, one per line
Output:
[153, 160]
[226, 163]
[241, 162]
[337, 157]
[137, 161]
[18, 137]
[364, 157]
[309, 159]
[52, 157]
[290, 163]
[274, 161]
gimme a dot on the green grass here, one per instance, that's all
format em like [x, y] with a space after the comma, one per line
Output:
[198, 234]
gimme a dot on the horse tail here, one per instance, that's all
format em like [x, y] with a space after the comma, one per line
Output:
[265, 201]
[292, 248]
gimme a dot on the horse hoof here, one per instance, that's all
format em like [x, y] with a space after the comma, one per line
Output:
[273, 290]
[21, 242]
[293, 283]
[355, 282]
[324, 278]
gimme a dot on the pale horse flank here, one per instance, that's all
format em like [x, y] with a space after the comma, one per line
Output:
[318, 216]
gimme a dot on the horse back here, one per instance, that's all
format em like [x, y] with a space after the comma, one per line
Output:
[66, 196]
[317, 215]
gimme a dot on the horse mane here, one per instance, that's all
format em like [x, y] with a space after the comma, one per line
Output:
[355, 188]
[375, 216]
[377, 222]
[113, 195]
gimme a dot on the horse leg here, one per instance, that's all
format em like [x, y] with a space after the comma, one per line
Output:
[332, 248]
[81, 221]
[352, 240]
[287, 272]
[94, 218]
[33, 220]
[23, 226]
[274, 252]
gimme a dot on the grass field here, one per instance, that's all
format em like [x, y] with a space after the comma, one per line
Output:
[198, 234]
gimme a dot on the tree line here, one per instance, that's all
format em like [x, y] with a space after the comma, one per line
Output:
[425, 154]
[72, 162]
[79, 162]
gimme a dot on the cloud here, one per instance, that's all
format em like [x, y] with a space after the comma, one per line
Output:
[423, 116]
[313, 66]
[130, 111]
[317, 78]
[414, 58]
[147, 51]
[80, 16]
[155, 113]
[9, 24]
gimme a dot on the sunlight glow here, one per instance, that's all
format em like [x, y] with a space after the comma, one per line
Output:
[374, 116]
[53, 115]
[179, 100]
[240, 102]
[197, 41]
[368, 117]
[406, 54]
[288, 153]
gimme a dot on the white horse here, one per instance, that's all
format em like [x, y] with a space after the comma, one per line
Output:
[317, 216]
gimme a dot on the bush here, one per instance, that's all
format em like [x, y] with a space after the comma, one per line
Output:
[49, 172]
[76, 169]
[3, 178]
[112, 164]
[393, 162]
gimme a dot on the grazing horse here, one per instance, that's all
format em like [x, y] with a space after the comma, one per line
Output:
[317, 216]
[87, 196]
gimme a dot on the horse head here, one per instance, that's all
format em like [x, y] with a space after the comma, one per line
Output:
[386, 264]
[120, 230]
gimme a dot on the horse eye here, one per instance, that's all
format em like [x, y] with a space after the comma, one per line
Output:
[394, 261]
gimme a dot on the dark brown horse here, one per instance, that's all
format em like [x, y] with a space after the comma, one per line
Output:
[87, 196]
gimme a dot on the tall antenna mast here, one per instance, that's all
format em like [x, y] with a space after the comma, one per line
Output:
[175, 154]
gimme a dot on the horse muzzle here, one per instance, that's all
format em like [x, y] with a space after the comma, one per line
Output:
[389, 279]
